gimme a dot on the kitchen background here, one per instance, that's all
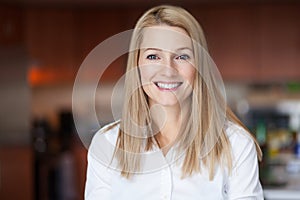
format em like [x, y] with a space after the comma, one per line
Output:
[255, 44]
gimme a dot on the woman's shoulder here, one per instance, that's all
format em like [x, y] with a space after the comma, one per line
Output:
[109, 131]
[104, 141]
[109, 128]
[238, 136]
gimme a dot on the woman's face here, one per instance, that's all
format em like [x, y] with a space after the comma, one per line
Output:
[166, 63]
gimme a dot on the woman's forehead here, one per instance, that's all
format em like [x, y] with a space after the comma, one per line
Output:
[165, 37]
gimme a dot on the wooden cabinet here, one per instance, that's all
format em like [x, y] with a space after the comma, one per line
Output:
[280, 42]
[93, 27]
[50, 41]
[50, 37]
[16, 173]
[232, 33]
[256, 42]
[58, 41]
[81, 167]
[248, 42]
[11, 25]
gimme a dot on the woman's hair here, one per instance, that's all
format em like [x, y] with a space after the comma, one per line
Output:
[203, 134]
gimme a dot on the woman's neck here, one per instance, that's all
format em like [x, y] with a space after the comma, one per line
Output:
[167, 121]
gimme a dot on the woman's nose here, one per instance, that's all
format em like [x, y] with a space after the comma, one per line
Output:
[169, 66]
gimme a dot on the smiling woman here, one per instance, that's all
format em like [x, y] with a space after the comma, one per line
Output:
[176, 139]
[166, 67]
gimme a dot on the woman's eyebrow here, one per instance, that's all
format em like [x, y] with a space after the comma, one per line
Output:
[158, 49]
[153, 49]
[184, 48]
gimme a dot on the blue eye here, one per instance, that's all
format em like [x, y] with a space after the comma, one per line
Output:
[183, 57]
[152, 57]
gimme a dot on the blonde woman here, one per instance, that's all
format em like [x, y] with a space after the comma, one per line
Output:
[176, 139]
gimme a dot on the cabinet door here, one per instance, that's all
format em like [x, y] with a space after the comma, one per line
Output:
[92, 28]
[49, 34]
[16, 173]
[50, 37]
[11, 26]
[233, 39]
[280, 42]
[80, 154]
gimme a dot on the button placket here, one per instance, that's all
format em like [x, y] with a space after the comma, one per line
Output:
[166, 183]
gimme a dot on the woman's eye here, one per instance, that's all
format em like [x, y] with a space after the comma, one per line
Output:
[183, 57]
[152, 57]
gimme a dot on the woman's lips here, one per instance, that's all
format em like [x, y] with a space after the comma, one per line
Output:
[169, 86]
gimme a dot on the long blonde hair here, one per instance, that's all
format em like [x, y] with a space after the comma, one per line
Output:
[204, 136]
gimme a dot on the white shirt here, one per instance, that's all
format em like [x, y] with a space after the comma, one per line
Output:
[164, 181]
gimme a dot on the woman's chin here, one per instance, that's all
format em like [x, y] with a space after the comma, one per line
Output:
[168, 102]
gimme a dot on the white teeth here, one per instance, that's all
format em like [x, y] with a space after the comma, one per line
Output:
[168, 85]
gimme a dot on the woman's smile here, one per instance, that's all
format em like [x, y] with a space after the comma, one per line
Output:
[168, 86]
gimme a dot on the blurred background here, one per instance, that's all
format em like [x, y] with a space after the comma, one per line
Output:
[255, 44]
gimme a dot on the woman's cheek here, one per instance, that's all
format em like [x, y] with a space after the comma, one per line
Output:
[188, 73]
[147, 73]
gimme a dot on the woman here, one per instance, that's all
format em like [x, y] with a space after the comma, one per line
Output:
[176, 139]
